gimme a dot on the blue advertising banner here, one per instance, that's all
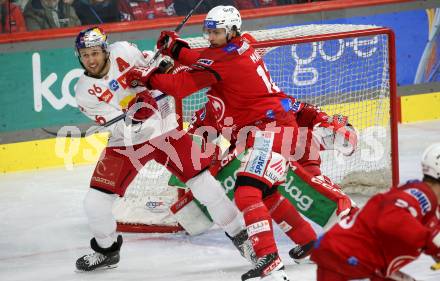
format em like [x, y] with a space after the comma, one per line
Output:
[412, 34]
[346, 65]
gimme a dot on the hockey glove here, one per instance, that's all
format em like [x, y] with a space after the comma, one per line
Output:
[139, 76]
[433, 245]
[170, 44]
[166, 65]
[141, 107]
[336, 133]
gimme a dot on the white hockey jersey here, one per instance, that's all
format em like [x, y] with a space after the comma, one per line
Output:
[104, 99]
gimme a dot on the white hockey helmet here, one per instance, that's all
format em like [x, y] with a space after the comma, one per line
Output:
[431, 161]
[227, 17]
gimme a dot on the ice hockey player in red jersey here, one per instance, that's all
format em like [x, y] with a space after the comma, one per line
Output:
[322, 132]
[260, 113]
[148, 133]
[392, 230]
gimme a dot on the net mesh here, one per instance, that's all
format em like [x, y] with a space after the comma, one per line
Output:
[148, 198]
[345, 75]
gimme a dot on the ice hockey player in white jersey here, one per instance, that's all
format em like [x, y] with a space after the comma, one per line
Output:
[149, 132]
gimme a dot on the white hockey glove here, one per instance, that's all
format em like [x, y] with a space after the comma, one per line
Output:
[336, 133]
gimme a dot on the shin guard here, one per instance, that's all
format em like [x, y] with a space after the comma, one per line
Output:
[257, 219]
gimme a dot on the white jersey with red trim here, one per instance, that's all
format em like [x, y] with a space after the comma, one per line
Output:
[106, 98]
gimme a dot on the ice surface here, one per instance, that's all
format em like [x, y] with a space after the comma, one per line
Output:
[43, 230]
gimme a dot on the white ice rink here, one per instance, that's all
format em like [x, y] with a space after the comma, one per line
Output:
[43, 231]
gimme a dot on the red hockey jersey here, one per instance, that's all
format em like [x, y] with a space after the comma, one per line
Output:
[389, 232]
[240, 85]
[208, 115]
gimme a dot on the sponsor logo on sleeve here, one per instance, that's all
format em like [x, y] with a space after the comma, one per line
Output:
[424, 203]
[270, 114]
[113, 85]
[230, 48]
[206, 62]
[296, 106]
[288, 105]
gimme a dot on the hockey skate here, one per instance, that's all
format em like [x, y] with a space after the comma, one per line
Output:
[268, 268]
[102, 258]
[301, 252]
[243, 244]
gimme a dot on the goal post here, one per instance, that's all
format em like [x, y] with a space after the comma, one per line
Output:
[346, 69]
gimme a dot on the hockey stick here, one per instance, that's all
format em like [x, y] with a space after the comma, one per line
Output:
[177, 29]
[98, 128]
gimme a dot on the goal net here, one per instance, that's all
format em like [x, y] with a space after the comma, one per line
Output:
[344, 69]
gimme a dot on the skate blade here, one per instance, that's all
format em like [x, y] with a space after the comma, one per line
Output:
[97, 269]
[303, 261]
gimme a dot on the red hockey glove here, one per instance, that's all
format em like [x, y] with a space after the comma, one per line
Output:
[433, 245]
[139, 76]
[170, 44]
[166, 65]
[141, 107]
